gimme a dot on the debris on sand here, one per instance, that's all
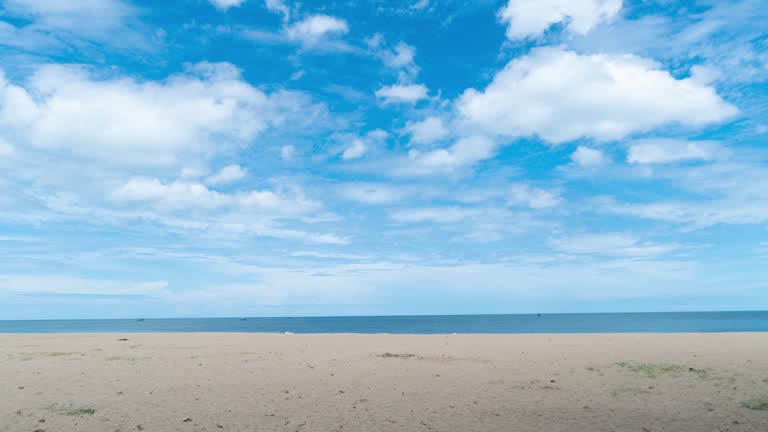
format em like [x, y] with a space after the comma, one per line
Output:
[390, 355]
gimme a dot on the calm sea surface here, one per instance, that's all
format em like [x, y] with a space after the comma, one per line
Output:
[665, 322]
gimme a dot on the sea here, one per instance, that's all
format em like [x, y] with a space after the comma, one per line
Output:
[642, 322]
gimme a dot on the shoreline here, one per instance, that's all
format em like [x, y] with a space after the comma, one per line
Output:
[244, 333]
[605, 323]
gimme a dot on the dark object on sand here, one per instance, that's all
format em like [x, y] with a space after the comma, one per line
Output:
[390, 355]
[122, 339]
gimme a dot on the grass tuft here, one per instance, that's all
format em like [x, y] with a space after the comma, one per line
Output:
[80, 411]
[654, 370]
[759, 404]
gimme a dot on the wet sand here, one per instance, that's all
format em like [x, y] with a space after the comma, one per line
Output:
[276, 382]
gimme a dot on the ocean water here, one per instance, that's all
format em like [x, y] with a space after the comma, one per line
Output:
[662, 322]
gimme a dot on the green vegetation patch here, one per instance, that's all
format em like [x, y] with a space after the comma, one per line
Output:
[27, 356]
[132, 359]
[654, 370]
[80, 411]
[628, 390]
[759, 404]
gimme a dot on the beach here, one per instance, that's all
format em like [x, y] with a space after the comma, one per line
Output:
[363, 382]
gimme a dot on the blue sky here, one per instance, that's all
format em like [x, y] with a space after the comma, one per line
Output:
[243, 157]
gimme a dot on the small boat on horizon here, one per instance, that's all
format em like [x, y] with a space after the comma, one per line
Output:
[139, 319]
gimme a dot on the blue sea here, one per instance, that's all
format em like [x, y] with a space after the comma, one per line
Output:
[661, 322]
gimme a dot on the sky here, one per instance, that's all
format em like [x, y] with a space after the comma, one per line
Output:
[223, 158]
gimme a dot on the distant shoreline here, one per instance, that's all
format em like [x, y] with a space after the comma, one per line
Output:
[632, 322]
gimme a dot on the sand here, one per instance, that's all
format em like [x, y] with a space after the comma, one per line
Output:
[276, 382]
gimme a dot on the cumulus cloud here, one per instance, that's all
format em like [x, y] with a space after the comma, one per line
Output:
[278, 6]
[183, 195]
[401, 56]
[354, 146]
[226, 175]
[315, 28]
[463, 153]
[661, 151]
[173, 195]
[355, 150]
[427, 131]
[560, 96]
[587, 156]
[207, 108]
[533, 197]
[402, 93]
[528, 19]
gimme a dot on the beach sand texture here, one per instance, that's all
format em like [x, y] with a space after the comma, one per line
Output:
[280, 382]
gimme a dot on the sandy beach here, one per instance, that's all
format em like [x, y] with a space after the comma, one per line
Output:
[291, 382]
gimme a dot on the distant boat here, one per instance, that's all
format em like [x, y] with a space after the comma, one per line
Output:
[243, 319]
[139, 319]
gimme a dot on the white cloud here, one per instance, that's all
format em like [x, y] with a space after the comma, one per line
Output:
[181, 195]
[76, 16]
[533, 197]
[315, 28]
[401, 57]
[560, 96]
[402, 93]
[728, 193]
[371, 193]
[207, 109]
[354, 150]
[228, 174]
[610, 244]
[278, 6]
[280, 203]
[434, 214]
[226, 4]
[352, 146]
[173, 195]
[287, 152]
[739, 55]
[463, 153]
[427, 131]
[587, 156]
[377, 134]
[661, 151]
[419, 5]
[60, 24]
[528, 19]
